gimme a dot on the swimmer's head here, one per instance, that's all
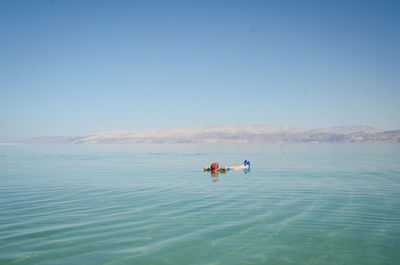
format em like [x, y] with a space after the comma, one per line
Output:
[214, 166]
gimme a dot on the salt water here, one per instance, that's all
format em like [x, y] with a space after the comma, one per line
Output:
[153, 204]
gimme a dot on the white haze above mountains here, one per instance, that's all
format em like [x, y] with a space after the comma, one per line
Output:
[232, 134]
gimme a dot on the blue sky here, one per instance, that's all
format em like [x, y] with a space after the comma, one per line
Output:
[77, 67]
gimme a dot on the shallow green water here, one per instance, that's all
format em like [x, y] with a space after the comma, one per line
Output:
[152, 204]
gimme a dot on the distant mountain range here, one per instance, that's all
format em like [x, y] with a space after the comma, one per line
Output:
[232, 134]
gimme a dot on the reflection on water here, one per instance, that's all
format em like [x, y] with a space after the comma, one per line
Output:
[215, 174]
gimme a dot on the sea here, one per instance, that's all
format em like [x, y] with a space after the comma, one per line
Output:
[154, 204]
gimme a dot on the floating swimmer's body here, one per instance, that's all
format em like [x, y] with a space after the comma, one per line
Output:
[215, 167]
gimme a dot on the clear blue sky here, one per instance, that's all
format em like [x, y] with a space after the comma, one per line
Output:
[77, 67]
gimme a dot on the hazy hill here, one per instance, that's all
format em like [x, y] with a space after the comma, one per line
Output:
[233, 134]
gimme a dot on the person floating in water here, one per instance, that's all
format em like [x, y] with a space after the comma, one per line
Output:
[215, 167]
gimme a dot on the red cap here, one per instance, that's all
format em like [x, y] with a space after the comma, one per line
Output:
[214, 166]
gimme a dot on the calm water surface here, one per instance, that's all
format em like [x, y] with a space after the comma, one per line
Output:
[152, 204]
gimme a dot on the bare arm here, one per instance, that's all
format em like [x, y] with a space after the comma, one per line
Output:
[221, 169]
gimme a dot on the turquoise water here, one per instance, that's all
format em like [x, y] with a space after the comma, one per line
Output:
[152, 204]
